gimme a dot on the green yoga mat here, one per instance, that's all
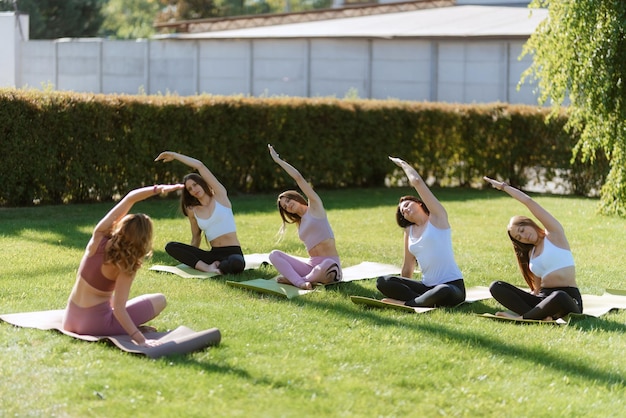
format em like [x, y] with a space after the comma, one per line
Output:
[378, 303]
[593, 306]
[473, 294]
[559, 321]
[253, 261]
[271, 287]
[181, 340]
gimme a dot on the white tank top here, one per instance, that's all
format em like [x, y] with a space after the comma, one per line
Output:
[219, 223]
[433, 252]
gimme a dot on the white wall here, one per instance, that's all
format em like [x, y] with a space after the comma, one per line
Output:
[463, 71]
[12, 32]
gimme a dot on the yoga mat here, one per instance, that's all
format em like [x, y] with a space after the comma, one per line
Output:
[473, 294]
[271, 286]
[368, 270]
[181, 340]
[593, 305]
[364, 270]
[378, 303]
[610, 300]
[559, 321]
[252, 261]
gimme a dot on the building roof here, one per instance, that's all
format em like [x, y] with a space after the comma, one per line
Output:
[270, 19]
[444, 22]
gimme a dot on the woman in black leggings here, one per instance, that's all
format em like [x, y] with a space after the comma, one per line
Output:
[546, 263]
[427, 241]
[206, 204]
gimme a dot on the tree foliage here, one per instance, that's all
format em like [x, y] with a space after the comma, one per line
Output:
[51, 19]
[124, 19]
[579, 60]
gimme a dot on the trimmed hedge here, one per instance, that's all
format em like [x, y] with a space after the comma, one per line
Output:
[66, 147]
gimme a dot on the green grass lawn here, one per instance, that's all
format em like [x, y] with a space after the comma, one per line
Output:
[319, 354]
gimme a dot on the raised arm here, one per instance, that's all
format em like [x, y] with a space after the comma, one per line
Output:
[550, 223]
[123, 206]
[438, 215]
[219, 190]
[315, 202]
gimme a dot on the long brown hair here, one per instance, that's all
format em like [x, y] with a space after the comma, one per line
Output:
[287, 217]
[131, 242]
[522, 251]
[186, 199]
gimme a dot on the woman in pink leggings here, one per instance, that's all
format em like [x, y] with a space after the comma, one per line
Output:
[323, 265]
[98, 304]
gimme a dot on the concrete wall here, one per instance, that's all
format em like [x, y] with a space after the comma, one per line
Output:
[463, 71]
[12, 32]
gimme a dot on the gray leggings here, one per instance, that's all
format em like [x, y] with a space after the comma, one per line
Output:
[555, 302]
[415, 293]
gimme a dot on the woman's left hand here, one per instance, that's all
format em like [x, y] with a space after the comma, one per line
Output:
[273, 153]
[494, 183]
[166, 156]
[150, 343]
[167, 188]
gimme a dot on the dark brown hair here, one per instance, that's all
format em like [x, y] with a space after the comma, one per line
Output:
[186, 199]
[400, 219]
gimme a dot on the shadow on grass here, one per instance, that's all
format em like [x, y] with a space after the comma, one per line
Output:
[497, 346]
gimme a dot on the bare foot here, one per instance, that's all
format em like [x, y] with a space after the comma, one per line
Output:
[209, 268]
[393, 301]
[508, 315]
[282, 280]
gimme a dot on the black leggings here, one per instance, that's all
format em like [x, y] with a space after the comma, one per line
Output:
[230, 258]
[555, 302]
[415, 293]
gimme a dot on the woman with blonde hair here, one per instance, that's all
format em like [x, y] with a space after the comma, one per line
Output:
[545, 260]
[314, 230]
[98, 304]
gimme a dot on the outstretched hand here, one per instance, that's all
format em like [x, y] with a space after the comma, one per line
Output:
[397, 161]
[496, 184]
[273, 153]
[167, 188]
[166, 156]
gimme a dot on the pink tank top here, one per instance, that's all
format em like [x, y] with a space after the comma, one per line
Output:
[312, 230]
[90, 269]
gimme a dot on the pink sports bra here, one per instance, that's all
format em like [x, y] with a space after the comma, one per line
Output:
[312, 230]
[90, 269]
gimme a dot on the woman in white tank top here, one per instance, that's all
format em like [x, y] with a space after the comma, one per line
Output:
[546, 262]
[428, 242]
[206, 204]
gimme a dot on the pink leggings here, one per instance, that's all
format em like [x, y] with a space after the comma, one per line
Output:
[99, 319]
[314, 270]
